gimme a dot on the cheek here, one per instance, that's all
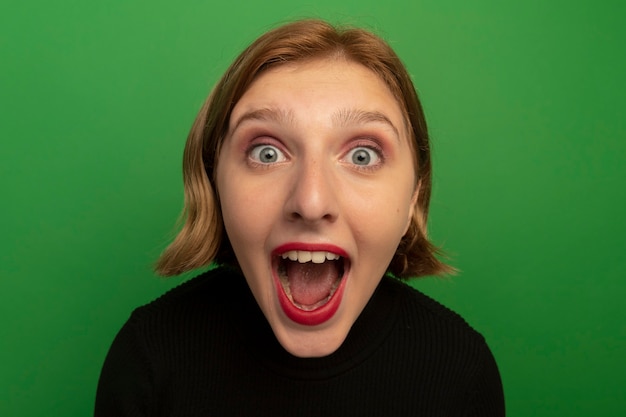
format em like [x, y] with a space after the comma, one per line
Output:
[231, 205]
[237, 216]
[381, 223]
[247, 213]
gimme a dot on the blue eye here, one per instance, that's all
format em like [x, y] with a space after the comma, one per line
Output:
[266, 154]
[363, 156]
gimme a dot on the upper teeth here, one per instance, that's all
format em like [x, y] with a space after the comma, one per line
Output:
[302, 256]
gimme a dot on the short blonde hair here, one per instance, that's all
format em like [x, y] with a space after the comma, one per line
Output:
[202, 239]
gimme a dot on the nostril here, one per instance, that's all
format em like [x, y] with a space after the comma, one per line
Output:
[297, 216]
[328, 217]
[294, 215]
[312, 198]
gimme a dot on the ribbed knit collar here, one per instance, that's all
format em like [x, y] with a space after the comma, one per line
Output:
[367, 334]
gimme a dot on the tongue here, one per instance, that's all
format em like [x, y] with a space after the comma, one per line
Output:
[310, 283]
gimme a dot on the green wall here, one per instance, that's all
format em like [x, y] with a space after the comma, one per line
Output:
[525, 101]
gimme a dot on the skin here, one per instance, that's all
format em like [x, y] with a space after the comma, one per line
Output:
[296, 171]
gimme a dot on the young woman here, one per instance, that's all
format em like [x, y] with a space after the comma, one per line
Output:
[307, 181]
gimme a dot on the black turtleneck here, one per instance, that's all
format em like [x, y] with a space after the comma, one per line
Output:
[205, 349]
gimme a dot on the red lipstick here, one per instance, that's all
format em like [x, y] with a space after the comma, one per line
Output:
[318, 315]
[312, 247]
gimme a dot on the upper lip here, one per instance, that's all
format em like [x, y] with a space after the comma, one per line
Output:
[311, 247]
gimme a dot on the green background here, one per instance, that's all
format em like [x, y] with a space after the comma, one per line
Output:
[525, 101]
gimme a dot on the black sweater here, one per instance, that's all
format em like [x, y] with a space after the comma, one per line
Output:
[205, 349]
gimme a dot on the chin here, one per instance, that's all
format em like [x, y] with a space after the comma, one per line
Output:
[309, 343]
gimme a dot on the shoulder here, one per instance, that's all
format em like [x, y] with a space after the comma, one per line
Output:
[417, 303]
[212, 284]
[165, 341]
[442, 346]
[427, 319]
[192, 301]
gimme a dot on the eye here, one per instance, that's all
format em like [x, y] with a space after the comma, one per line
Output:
[266, 154]
[363, 156]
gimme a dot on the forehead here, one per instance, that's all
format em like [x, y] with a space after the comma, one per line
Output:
[343, 87]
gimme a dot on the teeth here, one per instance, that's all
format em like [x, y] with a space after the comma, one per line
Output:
[303, 256]
[318, 257]
[330, 256]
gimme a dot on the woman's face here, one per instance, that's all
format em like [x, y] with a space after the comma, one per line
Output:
[317, 188]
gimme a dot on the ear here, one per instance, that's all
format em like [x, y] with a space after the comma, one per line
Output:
[412, 207]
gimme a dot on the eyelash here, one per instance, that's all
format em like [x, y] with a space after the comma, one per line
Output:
[371, 145]
[259, 146]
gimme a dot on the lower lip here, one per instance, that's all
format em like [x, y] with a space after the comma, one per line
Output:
[314, 317]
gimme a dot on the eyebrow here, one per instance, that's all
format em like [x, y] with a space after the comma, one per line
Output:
[348, 117]
[265, 114]
[342, 118]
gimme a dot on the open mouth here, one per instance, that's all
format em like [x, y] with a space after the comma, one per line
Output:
[311, 284]
[310, 279]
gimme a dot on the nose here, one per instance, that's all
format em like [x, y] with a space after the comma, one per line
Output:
[312, 197]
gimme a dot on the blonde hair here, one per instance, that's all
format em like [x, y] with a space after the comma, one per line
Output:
[202, 239]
